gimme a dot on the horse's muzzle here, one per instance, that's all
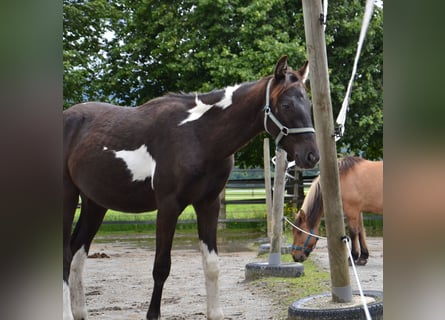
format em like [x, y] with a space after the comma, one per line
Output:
[299, 257]
[312, 159]
[307, 161]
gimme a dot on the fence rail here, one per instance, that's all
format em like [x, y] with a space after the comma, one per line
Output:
[243, 189]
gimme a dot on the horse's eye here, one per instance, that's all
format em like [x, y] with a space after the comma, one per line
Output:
[285, 106]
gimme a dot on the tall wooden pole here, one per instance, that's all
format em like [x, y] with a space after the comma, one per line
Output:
[277, 208]
[324, 123]
[268, 186]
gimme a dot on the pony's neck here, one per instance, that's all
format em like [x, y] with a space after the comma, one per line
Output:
[314, 218]
[313, 205]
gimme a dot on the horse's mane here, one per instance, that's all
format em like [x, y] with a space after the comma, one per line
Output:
[347, 163]
[313, 202]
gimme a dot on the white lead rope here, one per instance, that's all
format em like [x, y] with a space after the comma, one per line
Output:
[341, 118]
[346, 241]
[365, 306]
[325, 13]
[308, 233]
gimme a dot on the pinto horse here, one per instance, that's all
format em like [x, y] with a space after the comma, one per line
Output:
[168, 153]
[361, 184]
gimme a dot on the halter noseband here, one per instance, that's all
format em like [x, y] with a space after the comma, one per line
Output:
[284, 131]
[305, 248]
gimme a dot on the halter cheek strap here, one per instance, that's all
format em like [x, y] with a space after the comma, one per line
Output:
[305, 247]
[284, 131]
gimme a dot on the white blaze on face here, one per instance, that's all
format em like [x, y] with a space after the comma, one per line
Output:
[211, 271]
[76, 285]
[201, 108]
[139, 162]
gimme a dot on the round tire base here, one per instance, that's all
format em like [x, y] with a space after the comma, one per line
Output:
[256, 270]
[298, 311]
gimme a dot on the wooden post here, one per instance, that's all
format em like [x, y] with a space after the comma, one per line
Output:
[324, 123]
[277, 207]
[267, 186]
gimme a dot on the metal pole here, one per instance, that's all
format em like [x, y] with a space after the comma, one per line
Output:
[277, 208]
[324, 123]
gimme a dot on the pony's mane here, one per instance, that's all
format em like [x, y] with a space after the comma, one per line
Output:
[313, 202]
[347, 163]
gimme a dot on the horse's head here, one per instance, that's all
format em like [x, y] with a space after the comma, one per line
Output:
[288, 115]
[303, 242]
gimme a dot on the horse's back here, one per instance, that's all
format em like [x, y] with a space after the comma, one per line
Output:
[364, 186]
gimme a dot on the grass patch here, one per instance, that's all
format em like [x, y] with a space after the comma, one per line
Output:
[285, 291]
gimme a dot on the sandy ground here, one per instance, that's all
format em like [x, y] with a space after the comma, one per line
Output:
[370, 275]
[119, 287]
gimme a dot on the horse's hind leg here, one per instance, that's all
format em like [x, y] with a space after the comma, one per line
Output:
[207, 213]
[90, 219]
[70, 200]
[167, 217]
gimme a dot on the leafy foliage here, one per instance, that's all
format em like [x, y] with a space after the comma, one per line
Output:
[154, 47]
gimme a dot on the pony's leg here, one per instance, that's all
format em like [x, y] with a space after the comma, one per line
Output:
[70, 200]
[90, 219]
[207, 213]
[167, 217]
[364, 253]
[354, 230]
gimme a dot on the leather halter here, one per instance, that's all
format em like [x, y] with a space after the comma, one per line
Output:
[284, 131]
[305, 247]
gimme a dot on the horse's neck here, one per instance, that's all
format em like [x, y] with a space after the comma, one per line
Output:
[314, 215]
[313, 205]
[239, 123]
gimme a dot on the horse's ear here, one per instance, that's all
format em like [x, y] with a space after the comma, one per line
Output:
[302, 215]
[304, 71]
[281, 69]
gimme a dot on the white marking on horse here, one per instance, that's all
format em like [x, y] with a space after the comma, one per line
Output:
[139, 162]
[211, 271]
[77, 292]
[67, 313]
[201, 108]
[226, 101]
[196, 112]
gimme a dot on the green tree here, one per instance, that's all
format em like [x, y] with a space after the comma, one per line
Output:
[189, 46]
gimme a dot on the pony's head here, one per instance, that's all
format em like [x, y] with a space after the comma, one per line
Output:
[303, 242]
[288, 116]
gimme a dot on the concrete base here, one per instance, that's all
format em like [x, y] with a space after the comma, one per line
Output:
[265, 248]
[309, 308]
[256, 270]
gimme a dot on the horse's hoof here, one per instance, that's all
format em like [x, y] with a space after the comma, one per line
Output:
[361, 262]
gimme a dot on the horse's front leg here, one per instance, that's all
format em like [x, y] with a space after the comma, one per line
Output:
[354, 230]
[364, 253]
[207, 213]
[167, 217]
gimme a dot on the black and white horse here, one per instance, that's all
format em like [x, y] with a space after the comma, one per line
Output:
[168, 153]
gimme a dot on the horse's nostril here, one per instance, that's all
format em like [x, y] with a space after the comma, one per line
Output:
[312, 158]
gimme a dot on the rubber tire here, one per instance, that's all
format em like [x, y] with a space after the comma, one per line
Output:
[297, 312]
[256, 270]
